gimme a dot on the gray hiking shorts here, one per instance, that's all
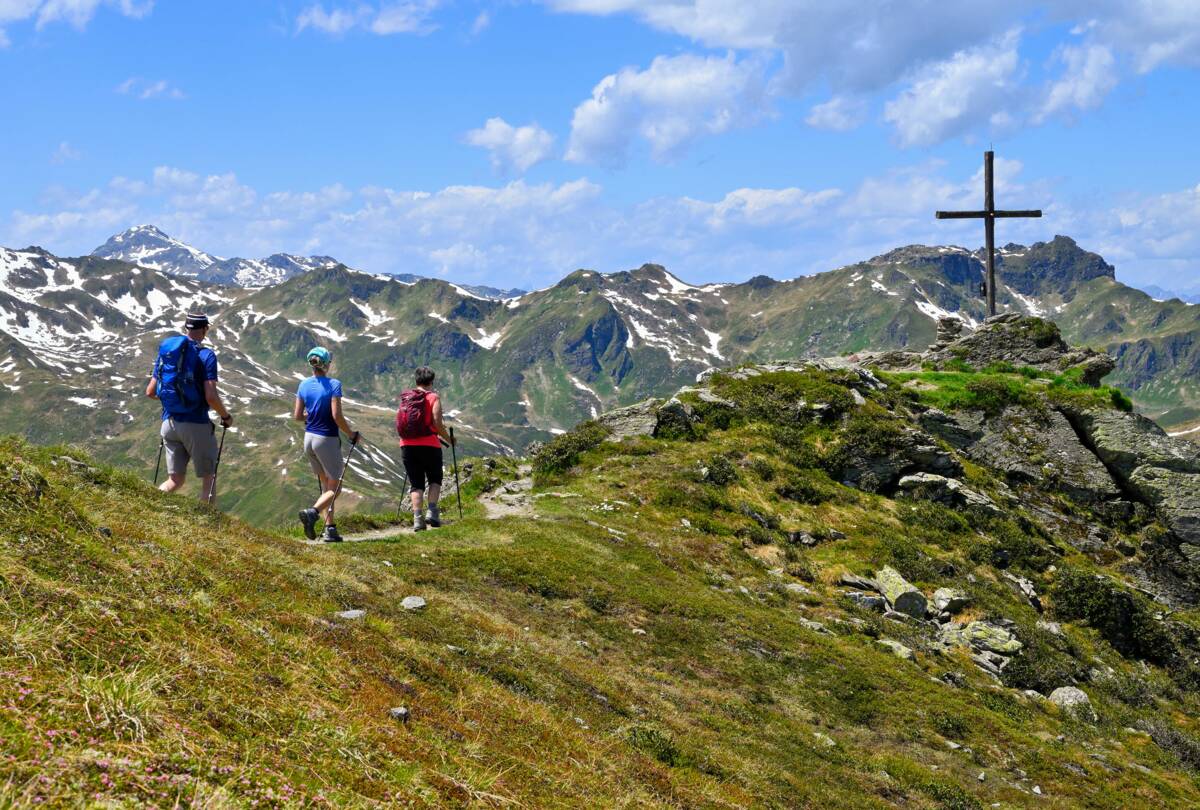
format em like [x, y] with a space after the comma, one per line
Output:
[190, 441]
[324, 454]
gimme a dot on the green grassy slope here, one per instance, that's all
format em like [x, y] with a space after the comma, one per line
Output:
[637, 645]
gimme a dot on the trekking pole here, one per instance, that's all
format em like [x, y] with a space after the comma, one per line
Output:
[457, 486]
[158, 464]
[345, 466]
[212, 490]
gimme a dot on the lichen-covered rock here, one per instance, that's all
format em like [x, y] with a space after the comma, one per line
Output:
[896, 648]
[983, 636]
[1021, 341]
[903, 596]
[959, 431]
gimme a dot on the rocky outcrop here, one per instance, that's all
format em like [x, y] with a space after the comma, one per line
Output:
[948, 492]
[652, 417]
[991, 645]
[1022, 341]
[1158, 470]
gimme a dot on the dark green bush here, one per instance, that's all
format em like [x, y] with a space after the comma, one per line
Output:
[560, 453]
[720, 471]
[1044, 663]
[927, 515]
[655, 743]
[1122, 618]
[1004, 544]
[762, 468]
[786, 397]
[807, 486]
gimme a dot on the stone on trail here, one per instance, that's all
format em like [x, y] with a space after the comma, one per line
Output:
[1075, 701]
[902, 595]
[412, 603]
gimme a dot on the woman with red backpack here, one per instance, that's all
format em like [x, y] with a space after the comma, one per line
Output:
[421, 429]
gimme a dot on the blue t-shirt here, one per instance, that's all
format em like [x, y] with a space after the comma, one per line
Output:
[317, 394]
[206, 369]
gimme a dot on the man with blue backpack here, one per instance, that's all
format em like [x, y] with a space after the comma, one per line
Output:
[184, 380]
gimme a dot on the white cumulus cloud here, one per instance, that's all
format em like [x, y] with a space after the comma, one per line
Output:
[670, 104]
[76, 13]
[949, 97]
[1088, 77]
[513, 149]
[145, 89]
[840, 113]
[410, 17]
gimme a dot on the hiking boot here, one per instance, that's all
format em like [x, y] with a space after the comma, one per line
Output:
[308, 517]
[434, 518]
[418, 522]
[331, 535]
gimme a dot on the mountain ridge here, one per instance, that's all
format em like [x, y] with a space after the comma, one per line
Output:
[523, 368]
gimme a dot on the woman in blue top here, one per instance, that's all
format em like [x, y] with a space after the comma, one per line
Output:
[319, 406]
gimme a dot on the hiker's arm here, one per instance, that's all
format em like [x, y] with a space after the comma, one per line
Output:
[439, 424]
[214, 401]
[335, 407]
[298, 410]
[152, 388]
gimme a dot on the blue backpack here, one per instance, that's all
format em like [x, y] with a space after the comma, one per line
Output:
[175, 370]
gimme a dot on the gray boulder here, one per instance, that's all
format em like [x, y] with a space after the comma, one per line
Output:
[634, 420]
[900, 593]
[950, 600]
[413, 603]
[1074, 701]
[947, 491]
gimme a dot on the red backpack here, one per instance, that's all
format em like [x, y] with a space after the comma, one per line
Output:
[414, 419]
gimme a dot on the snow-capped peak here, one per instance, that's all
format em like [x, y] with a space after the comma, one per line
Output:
[148, 246]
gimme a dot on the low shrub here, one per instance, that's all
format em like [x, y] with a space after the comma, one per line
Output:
[562, 452]
[1122, 618]
[655, 743]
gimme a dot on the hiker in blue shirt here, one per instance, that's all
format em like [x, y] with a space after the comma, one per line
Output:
[184, 380]
[319, 406]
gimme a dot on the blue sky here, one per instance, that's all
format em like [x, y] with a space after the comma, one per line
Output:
[511, 142]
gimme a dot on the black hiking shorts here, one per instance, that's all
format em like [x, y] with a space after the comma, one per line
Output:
[423, 465]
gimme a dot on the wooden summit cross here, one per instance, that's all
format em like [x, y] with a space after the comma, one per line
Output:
[989, 214]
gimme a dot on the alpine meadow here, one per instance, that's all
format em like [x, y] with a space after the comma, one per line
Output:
[578, 404]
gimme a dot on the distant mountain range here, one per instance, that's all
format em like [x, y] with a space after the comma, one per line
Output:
[1191, 296]
[79, 336]
[147, 246]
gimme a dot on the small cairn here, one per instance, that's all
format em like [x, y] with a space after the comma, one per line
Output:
[948, 331]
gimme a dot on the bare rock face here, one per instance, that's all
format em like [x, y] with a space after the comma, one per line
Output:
[1043, 450]
[1126, 441]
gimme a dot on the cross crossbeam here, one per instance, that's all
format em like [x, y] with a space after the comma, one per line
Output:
[989, 215]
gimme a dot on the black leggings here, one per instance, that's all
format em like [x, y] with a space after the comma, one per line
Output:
[423, 464]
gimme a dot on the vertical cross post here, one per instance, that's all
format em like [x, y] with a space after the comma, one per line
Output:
[989, 229]
[989, 215]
